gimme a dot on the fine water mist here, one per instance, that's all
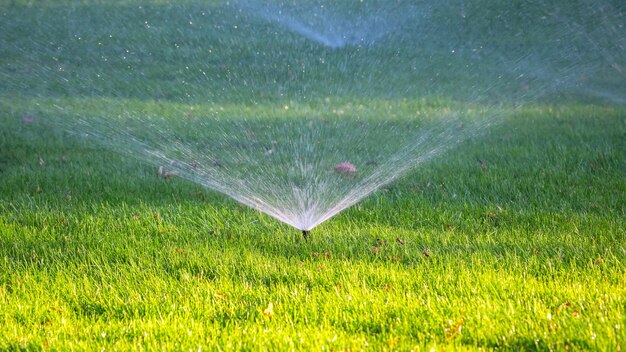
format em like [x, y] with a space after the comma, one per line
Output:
[299, 171]
[335, 25]
[302, 110]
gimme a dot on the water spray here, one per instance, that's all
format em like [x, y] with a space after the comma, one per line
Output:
[340, 124]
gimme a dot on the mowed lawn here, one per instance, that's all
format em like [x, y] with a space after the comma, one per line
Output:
[516, 240]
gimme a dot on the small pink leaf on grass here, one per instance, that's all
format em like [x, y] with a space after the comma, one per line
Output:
[27, 119]
[345, 168]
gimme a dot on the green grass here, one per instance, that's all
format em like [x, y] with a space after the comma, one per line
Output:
[515, 241]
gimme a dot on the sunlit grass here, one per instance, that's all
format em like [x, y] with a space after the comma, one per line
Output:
[515, 241]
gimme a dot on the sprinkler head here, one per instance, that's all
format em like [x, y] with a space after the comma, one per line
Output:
[306, 234]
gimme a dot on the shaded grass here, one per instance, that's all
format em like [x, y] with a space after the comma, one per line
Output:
[513, 241]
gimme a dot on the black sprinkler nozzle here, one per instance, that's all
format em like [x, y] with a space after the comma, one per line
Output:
[306, 234]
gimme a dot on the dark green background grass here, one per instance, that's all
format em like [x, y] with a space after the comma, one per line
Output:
[515, 240]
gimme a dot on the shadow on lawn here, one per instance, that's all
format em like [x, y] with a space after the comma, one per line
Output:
[70, 177]
[90, 182]
[178, 241]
